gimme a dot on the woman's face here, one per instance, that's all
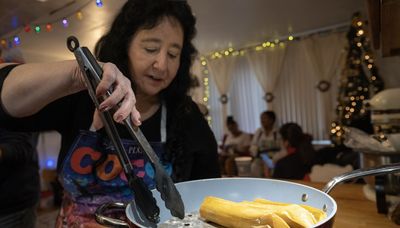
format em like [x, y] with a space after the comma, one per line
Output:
[155, 56]
[266, 122]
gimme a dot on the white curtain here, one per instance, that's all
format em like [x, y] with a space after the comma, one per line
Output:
[246, 103]
[296, 97]
[296, 93]
[245, 100]
[267, 65]
[221, 72]
[326, 55]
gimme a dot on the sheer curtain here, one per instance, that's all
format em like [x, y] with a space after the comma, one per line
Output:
[221, 72]
[296, 97]
[246, 94]
[267, 65]
[245, 100]
[326, 54]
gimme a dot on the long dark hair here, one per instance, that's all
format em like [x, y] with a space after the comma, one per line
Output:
[293, 133]
[114, 45]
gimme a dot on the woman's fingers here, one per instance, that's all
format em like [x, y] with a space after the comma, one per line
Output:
[122, 98]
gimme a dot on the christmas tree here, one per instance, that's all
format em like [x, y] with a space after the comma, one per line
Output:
[360, 80]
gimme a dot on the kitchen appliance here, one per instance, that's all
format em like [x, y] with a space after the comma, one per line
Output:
[385, 111]
[385, 117]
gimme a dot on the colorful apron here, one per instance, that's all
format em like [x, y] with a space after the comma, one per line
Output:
[92, 175]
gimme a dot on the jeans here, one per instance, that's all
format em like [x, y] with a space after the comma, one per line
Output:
[21, 219]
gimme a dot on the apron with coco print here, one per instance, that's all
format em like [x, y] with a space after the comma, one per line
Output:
[92, 175]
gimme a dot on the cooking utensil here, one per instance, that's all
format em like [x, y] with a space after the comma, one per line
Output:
[143, 199]
[239, 189]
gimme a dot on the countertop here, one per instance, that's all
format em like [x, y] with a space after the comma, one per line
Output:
[354, 209]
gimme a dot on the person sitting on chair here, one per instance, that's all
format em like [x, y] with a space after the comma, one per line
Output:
[236, 143]
[296, 157]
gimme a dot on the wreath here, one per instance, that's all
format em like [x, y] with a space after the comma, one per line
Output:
[323, 85]
[269, 97]
[223, 99]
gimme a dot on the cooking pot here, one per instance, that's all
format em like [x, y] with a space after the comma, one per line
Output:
[239, 189]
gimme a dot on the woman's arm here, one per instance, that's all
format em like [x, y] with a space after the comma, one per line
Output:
[30, 87]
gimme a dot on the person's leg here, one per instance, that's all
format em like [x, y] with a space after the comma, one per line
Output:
[21, 219]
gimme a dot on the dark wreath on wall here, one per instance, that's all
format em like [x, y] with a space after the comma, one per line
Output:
[223, 98]
[269, 97]
[323, 85]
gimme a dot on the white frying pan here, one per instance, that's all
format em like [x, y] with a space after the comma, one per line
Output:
[239, 189]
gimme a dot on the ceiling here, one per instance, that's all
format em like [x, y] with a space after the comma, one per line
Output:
[220, 23]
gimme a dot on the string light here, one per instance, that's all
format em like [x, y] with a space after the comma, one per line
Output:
[37, 28]
[79, 15]
[206, 85]
[258, 47]
[64, 22]
[27, 28]
[99, 3]
[48, 27]
[17, 40]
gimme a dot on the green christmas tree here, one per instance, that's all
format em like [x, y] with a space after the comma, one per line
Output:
[360, 80]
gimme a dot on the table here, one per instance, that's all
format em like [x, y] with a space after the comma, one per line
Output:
[354, 210]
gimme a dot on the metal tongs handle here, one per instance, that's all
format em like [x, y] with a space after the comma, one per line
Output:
[92, 73]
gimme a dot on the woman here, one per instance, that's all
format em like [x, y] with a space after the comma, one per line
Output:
[264, 144]
[296, 157]
[266, 138]
[236, 143]
[150, 42]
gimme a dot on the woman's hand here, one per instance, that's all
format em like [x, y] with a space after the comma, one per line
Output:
[122, 98]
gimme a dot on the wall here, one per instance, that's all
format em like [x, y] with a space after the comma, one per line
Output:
[389, 68]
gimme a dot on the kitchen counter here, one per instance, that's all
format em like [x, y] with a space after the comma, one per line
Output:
[354, 210]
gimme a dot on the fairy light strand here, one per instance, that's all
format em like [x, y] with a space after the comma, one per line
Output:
[14, 40]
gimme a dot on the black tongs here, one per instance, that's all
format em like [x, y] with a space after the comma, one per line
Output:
[144, 199]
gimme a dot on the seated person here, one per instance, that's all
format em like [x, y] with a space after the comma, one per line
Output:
[236, 143]
[266, 138]
[295, 159]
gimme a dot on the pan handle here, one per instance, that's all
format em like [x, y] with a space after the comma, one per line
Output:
[104, 220]
[374, 171]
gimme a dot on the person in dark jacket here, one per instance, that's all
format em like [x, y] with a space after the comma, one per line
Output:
[19, 179]
[297, 157]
